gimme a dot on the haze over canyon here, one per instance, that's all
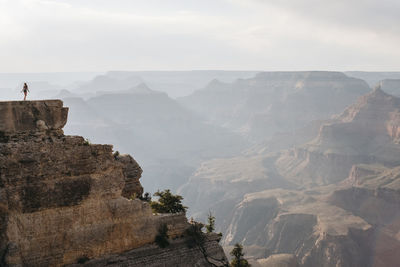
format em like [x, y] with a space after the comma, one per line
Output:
[301, 168]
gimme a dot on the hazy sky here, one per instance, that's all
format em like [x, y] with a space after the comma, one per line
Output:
[99, 35]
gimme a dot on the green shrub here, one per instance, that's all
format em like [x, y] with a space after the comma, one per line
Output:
[220, 236]
[238, 260]
[86, 142]
[195, 234]
[210, 226]
[162, 236]
[167, 202]
[146, 197]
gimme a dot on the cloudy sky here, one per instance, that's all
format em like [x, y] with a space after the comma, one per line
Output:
[100, 35]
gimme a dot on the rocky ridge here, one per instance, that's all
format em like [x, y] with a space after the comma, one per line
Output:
[366, 132]
[332, 201]
[274, 102]
[391, 86]
[63, 199]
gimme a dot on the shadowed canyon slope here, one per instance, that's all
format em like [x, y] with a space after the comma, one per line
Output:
[332, 201]
[64, 200]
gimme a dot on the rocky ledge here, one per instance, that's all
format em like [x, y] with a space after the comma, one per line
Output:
[32, 116]
[63, 199]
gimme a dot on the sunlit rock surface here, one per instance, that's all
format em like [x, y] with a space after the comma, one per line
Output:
[332, 201]
[63, 199]
[32, 116]
[366, 132]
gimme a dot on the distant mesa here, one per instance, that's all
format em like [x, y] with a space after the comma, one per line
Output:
[216, 82]
[141, 88]
[391, 86]
[65, 94]
[273, 102]
[107, 83]
[311, 75]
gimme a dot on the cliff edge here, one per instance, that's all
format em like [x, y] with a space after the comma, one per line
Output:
[63, 199]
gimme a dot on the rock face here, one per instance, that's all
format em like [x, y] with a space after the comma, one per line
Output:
[391, 86]
[373, 78]
[274, 102]
[176, 254]
[278, 260]
[332, 201]
[366, 132]
[63, 199]
[32, 116]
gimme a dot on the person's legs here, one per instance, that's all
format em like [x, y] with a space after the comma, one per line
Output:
[25, 95]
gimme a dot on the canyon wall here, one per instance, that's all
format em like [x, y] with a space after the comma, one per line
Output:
[331, 201]
[63, 199]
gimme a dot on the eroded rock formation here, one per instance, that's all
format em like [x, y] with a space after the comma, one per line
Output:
[63, 199]
[365, 133]
[332, 201]
[275, 102]
[32, 116]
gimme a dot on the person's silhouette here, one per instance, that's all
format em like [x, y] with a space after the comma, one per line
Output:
[25, 90]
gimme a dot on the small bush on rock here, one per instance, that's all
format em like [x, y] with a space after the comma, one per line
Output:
[238, 260]
[195, 234]
[116, 154]
[146, 197]
[167, 202]
[210, 226]
[86, 142]
[162, 236]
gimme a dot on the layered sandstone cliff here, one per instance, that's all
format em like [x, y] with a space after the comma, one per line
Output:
[333, 201]
[367, 132]
[63, 199]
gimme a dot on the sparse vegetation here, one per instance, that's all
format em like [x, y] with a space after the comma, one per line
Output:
[86, 142]
[167, 202]
[162, 236]
[195, 235]
[210, 226]
[238, 260]
[146, 197]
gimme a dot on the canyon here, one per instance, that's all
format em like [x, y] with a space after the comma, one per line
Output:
[299, 167]
[333, 200]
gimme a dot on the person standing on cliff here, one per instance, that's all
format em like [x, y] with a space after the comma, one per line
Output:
[25, 90]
